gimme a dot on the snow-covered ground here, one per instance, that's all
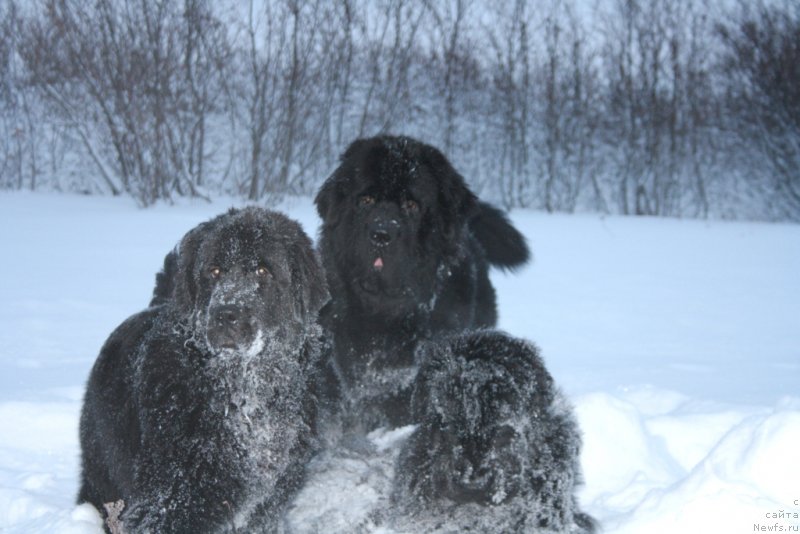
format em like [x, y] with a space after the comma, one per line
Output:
[678, 342]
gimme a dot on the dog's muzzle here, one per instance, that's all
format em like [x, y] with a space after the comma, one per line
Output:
[230, 327]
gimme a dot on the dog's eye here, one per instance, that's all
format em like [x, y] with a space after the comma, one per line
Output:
[366, 200]
[262, 271]
[215, 272]
[410, 206]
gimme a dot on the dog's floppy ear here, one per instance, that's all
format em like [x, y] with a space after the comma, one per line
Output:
[328, 196]
[458, 203]
[166, 279]
[185, 286]
[308, 278]
[331, 194]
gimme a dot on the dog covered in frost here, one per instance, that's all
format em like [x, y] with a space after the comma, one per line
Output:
[497, 445]
[198, 414]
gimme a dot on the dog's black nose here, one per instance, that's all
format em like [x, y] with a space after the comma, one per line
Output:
[381, 232]
[380, 237]
[227, 314]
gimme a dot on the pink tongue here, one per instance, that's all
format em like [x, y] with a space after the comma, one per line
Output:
[378, 263]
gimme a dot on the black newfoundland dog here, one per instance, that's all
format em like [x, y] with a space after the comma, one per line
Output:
[198, 415]
[497, 446]
[406, 248]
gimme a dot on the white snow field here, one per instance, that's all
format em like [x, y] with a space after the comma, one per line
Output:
[677, 341]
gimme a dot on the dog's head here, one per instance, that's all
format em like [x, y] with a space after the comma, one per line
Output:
[248, 278]
[395, 216]
[475, 395]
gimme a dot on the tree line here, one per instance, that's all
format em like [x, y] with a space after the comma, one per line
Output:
[657, 107]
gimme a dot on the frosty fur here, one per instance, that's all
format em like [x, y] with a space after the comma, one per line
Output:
[406, 248]
[495, 450]
[497, 446]
[197, 413]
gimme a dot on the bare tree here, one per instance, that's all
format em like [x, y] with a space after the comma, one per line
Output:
[390, 35]
[265, 44]
[571, 119]
[450, 18]
[20, 165]
[127, 78]
[633, 108]
[547, 99]
[10, 153]
[657, 93]
[287, 110]
[207, 55]
[339, 47]
[512, 95]
[762, 67]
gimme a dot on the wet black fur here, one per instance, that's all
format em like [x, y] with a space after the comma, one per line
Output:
[193, 432]
[497, 446]
[401, 200]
